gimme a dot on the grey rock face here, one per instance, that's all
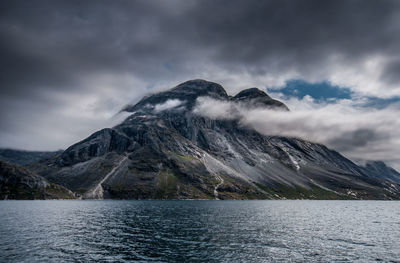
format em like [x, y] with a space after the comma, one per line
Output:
[98, 144]
[165, 151]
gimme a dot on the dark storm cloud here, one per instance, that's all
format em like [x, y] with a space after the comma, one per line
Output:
[53, 43]
[296, 31]
[66, 65]
[391, 74]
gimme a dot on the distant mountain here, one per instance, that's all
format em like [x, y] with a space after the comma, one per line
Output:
[165, 150]
[24, 157]
[380, 170]
[17, 182]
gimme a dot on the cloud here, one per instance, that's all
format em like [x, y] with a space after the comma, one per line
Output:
[355, 139]
[167, 105]
[358, 132]
[216, 109]
[391, 72]
[64, 74]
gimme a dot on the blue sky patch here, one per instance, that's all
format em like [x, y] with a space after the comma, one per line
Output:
[320, 91]
[325, 92]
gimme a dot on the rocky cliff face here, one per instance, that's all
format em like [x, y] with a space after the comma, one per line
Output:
[164, 150]
[18, 183]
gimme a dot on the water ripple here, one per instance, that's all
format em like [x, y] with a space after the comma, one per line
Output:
[199, 231]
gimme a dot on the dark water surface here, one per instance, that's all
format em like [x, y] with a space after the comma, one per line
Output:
[199, 231]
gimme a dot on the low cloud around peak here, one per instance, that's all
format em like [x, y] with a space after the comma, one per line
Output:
[169, 104]
[358, 132]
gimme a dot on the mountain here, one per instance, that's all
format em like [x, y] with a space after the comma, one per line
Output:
[379, 169]
[24, 157]
[254, 97]
[165, 149]
[17, 182]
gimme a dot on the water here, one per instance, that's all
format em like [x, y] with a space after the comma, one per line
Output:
[199, 231]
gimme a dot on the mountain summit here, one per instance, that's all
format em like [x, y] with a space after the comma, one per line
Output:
[165, 150]
[258, 98]
[186, 92]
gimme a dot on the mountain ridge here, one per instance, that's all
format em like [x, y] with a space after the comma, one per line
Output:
[17, 182]
[24, 157]
[173, 153]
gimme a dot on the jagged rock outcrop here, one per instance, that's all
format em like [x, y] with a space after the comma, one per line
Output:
[98, 144]
[164, 150]
[17, 182]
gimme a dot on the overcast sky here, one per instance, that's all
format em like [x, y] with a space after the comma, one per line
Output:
[67, 67]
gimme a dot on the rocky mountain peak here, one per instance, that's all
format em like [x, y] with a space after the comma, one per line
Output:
[259, 98]
[200, 87]
[185, 93]
[251, 94]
